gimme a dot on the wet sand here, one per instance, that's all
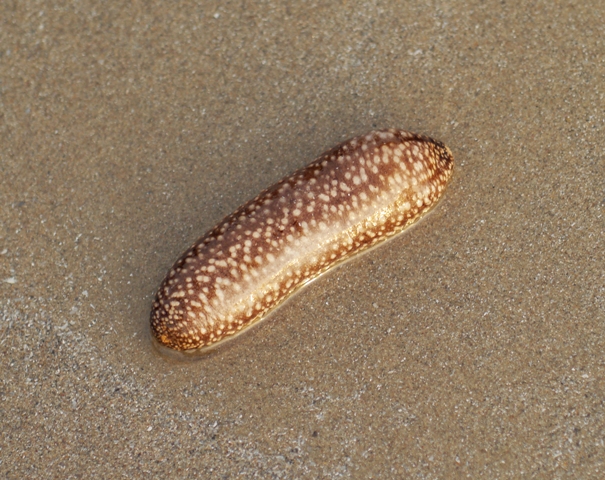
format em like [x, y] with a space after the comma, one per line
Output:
[471, 345]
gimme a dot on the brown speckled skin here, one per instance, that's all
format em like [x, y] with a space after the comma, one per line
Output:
[349, 199]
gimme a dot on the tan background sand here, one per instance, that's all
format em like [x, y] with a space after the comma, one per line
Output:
[473, 345]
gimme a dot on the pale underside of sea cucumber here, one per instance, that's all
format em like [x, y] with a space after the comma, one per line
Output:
[349, 199]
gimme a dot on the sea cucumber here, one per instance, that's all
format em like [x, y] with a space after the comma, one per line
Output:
[349, 199]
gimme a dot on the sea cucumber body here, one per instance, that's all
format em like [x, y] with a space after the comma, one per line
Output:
[347, 200]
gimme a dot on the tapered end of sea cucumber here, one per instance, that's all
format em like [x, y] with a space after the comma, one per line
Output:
[179, 355]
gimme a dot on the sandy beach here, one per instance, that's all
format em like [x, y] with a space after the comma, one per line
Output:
[470, 346]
